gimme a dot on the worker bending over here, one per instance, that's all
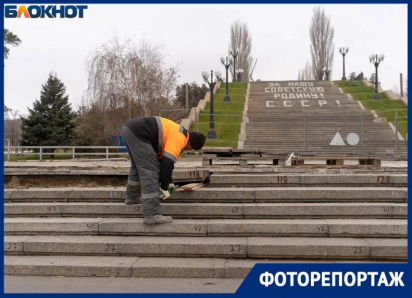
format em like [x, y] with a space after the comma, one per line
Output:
[154, 145]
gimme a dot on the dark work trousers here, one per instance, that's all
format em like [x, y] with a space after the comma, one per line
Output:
[144, 173]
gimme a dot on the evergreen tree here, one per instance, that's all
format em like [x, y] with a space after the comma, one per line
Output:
[10, 39]
[51, 122]
[196, 93]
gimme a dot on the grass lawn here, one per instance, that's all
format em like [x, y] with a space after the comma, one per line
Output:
[28, 156]
[384, 107]
[227, 127]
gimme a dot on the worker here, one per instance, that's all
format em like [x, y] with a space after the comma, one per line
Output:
[154, 145]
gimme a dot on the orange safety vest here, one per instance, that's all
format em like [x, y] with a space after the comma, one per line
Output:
[172, 138]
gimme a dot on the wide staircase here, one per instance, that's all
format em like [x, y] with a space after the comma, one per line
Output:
[282, 113]
[242, 216]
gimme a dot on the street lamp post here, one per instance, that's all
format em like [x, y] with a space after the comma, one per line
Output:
[234, 53]
[327, 71]
[211, 134]
[343, 51]
[227, 62]
[376, 60]
[239, 74]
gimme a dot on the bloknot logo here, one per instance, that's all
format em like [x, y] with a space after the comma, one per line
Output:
[45, 11]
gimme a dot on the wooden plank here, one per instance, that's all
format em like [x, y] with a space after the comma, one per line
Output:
[216, 149]
[276, 153]
[192, 186]
[336, 157]
[306, 153]
[275, 156]
[339, 160]
[246, 155]
[239, 158]
[252, 151]
[370, 161]
[208, 156]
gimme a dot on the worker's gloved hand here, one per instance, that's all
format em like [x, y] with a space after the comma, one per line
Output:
[171, 189]
[164, 194]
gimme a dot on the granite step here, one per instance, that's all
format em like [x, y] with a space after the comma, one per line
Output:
[392, 228]
[217, 194]
[288, 250]
[397, 180]
[212, 210]
[148, 267]
[210, 247]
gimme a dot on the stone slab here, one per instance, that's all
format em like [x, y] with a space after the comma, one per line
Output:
[318, 249]
[389, 248]
[100, 209]
[14, 244]
[325, 210]
[216, 195]
[267, 227]
[241, 268]
[73, 245]
[248, 180]
[179, 175]
[179, 267]
[135, 226]
[331, 194]
[34, 226]
[367, 227]
[128, 246]
[310, 180]
[213, 227]
[185, 246]
[391, 95]
[203, 210]
[69, 265]
[356, 179]
[65, 194]
[405, 100]
[400, 210]
[307, 248]
[32, 209]
[176, 210]
[212, 210]
[399, 179]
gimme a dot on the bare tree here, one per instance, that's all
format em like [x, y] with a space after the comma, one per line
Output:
[322, 47]
[7, 110]
[241, 39]
[12, 126]
[125, 80]
[306, 73]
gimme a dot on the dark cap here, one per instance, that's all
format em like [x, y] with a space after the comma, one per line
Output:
[197, 140]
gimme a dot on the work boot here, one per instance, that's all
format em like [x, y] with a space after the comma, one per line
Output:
[131, 201]
[157, 219]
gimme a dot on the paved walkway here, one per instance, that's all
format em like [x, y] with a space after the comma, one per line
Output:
[182, 163]
[40, 284]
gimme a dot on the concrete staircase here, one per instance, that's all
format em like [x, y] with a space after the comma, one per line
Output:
[220, 230]
[278, 109]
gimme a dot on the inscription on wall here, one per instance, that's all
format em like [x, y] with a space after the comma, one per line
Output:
[306, 91]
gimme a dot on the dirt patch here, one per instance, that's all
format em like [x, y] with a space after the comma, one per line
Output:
[53, 181]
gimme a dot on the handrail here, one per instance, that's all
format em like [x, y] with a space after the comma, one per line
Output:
[9, 151]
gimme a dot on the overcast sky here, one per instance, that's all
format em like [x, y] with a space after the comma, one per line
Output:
[196, 36]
